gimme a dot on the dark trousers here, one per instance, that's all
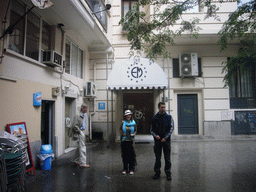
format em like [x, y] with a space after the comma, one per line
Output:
[128, 155]
[166, 147]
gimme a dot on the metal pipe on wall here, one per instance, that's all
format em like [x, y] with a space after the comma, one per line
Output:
[107, 100]
[169, 94]
[164, 97]
[112, 106]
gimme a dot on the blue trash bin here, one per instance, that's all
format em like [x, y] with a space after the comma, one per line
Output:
[46, 154]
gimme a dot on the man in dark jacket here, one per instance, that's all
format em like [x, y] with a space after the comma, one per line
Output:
[161, 129]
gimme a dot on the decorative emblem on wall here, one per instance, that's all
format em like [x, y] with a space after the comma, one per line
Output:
[68, 122]
[138, 114]
[137, 72]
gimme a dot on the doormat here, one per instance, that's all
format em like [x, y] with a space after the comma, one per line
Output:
[142, 142]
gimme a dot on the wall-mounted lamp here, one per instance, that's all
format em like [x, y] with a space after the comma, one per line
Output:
[66, 89]
[108, 6]
[81, 91]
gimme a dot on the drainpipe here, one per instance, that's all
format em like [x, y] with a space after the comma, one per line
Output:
[112, 107]
[94, 101]
[107, 101]
[169, 104]
[164, 100]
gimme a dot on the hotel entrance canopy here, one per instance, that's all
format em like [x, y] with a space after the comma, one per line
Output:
[137, 73]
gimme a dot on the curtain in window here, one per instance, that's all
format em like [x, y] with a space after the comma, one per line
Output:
[242, 89]
[46, 36]
[16, 40]
[127, 5]
[74, 60]
[79, 64]
[33, 34]
[242, 84]
[67, 57]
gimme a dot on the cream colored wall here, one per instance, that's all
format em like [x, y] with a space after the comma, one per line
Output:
[208, 26]
[16, 103]
[42, 78]
[213, 98]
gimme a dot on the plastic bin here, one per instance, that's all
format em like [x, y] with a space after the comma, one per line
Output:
[46, 155]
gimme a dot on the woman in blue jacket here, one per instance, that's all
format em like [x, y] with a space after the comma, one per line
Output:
[128, 130]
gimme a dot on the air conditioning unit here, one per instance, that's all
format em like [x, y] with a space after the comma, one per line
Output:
[188, 64]
[90, 89]
[52, 58]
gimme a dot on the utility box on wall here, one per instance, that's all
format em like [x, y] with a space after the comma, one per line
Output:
[55, 92]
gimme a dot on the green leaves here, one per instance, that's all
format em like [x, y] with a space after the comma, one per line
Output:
[153, 33]
[240, 27]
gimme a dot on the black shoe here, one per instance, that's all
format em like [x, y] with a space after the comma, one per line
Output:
[169, 177]
[156, 176]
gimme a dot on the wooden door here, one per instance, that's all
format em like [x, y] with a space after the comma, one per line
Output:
[187, 114]
[142, 107]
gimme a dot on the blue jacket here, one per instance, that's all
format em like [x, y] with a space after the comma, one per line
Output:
[162, 125]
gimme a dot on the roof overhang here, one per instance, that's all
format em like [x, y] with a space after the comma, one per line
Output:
[77, 19]
[137, 73]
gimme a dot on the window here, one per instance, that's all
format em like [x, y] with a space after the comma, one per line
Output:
[25, 38]
[16, 40]
[33, 34]
[242, 89]
[127, 5]
[97, 7]
[74, 59]
[46, 36]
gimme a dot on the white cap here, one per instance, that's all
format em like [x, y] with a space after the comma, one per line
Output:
[127, 112]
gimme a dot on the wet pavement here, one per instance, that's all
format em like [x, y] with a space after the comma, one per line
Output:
[196, 166]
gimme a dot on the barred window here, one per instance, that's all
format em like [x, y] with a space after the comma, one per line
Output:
[242, 89]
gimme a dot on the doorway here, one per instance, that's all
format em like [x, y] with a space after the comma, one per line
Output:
[70, 110]
[187, 114]
[142, 106]
[47, 119]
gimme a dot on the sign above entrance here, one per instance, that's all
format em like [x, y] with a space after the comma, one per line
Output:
[137, 73]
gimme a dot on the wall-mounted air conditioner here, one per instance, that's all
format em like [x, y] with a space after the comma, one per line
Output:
[52, 58]
[90, 89]
[188, 64]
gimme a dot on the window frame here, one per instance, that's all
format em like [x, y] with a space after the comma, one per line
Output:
[242, 90]
[79, 57]
[130, 5]
[24, 38]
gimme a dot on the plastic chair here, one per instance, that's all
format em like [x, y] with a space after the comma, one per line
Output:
[3, 174]
[12, 171]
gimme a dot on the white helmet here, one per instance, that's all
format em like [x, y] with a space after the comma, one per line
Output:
[127, 112]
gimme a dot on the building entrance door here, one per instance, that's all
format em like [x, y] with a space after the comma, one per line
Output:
[69, 115]
[47, 119]
[142, 106]
[187, 114]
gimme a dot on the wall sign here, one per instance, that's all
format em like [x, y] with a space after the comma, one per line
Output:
[101, 106]
[17, 129]
[137, 71]
[245, 122]
[37, 99]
